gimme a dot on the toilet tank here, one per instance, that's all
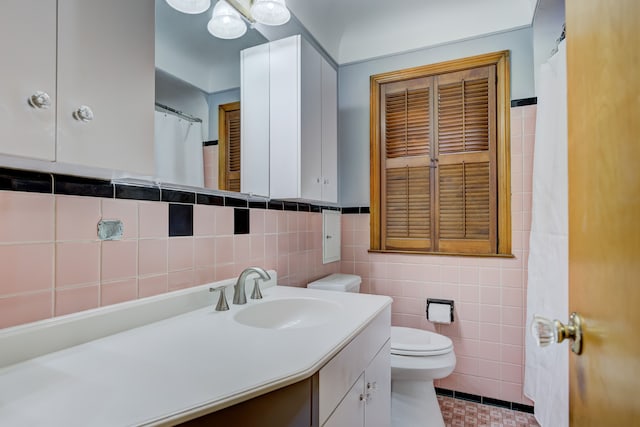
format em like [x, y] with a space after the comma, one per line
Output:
[338, 282]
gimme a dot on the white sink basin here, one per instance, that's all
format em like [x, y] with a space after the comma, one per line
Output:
[288, 313]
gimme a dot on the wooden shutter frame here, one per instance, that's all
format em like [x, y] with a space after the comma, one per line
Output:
[223, 109]
[503, 132]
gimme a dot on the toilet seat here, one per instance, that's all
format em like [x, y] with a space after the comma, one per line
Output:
[417, 342]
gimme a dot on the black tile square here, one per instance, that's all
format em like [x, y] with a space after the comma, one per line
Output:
[275, 205]
[180, 220]
[241, 221]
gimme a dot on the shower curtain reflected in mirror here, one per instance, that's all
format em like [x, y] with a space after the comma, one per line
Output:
[178, 150]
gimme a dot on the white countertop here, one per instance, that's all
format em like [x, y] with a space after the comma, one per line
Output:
[177, 368]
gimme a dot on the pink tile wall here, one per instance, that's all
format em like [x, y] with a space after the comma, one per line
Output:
[210, 160]
[53, 263]
[490, 293]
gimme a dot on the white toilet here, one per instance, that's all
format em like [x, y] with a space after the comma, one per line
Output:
[417, 358]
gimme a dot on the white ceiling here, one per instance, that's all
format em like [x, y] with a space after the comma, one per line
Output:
[356, 30]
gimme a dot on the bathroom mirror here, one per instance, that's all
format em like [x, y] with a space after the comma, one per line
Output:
[196, 73]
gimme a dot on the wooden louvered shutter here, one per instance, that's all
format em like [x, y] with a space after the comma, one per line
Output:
[229, 147]
[405, 169]
[465, 143]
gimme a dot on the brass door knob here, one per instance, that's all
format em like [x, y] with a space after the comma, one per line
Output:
[547, 332]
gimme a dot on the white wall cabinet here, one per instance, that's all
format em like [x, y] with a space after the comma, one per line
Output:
[95, 61]
[254, 120]
[355, 386]
[302, 118]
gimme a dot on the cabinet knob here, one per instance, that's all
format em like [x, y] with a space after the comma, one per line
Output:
[318, 180]
[372, 386]
[40, 99]
[83, 114]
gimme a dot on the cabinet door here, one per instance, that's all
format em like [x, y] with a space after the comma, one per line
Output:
[106, 62]
[28, 52]
[311, 122]
[351, 411]
[329, 133]
[378, 389]
[254, 120]
[284, 129]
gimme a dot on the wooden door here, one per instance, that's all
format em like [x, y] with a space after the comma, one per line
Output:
[603, 77]
[28, 66]
[229, 146]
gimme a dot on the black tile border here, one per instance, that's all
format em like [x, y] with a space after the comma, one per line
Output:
[79, 186]
[31, 182]
[209, 199]
[356, 210]
[523, 102]
[44, 182]
[235, 202]
[484, 400]
[209, 143]
[177, 196]
[241, 222]
[256, 204]
[134, 192]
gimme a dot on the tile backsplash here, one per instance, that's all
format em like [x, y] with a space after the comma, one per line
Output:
[54, 264]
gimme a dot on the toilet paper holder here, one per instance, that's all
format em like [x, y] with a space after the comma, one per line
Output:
[448, 302]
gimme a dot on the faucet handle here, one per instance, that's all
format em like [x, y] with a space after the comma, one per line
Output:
[222, 301]
[256, 294]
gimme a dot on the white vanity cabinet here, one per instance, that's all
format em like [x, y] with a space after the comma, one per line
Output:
[355, 386]
[94, 59]
[302, 120]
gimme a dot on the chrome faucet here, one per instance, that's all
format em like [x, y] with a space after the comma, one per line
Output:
[239, 294]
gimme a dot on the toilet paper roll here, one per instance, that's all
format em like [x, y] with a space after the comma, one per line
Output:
[439, 313]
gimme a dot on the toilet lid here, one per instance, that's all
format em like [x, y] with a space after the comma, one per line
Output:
[416, 342]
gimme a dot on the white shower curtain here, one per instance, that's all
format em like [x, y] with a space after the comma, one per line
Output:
[546, 379]
[178, 150]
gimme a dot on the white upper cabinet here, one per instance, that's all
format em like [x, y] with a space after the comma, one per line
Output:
[28, 57]
[302, 117]
[101, 112]
[254, 120]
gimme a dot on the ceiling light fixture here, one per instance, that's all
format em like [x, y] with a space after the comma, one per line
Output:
[191, 7]
[270, 12]
[226, 22]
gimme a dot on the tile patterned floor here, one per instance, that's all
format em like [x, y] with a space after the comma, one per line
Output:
[460, 413]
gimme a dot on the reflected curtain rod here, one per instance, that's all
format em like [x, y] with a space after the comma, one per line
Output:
[179, 113]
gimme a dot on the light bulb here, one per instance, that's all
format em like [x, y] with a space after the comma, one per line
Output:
[270, 12]
[226, 22]
[190, 6]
